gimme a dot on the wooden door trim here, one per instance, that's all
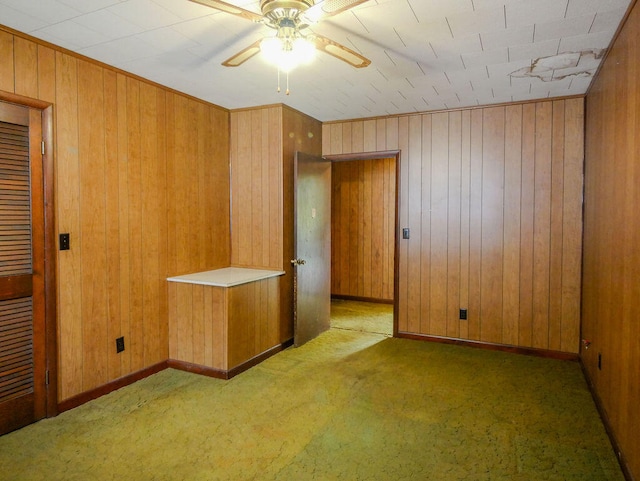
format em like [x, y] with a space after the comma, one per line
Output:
[50, 245]
[23, 101]
[384, 154]
[50, 261]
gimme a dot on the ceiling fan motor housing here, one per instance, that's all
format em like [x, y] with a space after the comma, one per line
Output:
[284, 13]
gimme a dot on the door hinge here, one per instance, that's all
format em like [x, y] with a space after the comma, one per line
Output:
[42, 148]
[46, 377]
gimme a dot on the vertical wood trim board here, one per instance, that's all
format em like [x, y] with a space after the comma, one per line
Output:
[492, 197]
[611, 279]
[363, 194]
[142, 187]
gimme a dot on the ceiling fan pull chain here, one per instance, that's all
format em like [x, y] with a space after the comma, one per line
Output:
[278, 80]
[287, 83]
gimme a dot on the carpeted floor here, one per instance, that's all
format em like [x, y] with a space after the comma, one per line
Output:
[362, 316]
[346, 406]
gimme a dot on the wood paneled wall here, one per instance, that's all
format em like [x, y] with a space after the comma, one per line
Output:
[611, 281]
[256, 188]
[363, 196]
[263, 144]
[142, 187]
[493, 200]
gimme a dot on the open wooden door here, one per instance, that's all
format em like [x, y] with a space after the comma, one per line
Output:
[22, 278]
[312, 245]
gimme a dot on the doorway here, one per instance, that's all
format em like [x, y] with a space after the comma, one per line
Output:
[27, 267]
[363, 241]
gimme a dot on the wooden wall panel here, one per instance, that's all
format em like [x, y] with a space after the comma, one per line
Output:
[374, 221]
[475, 224]
[70, 343]
[256, 187]
[542, 224]
[413, 138]
[402, 250]
[143, 190]
[222, 328]
[111, 181]
[426, 223]
[263, 143]
[26, 64]
[611, 258]
[454, 194]
[492, 226]
[134, 212]
[93, 281]
[254, 318]
[46, 74]
[436, 263]
[7, 72]
[201, 331]
[492, 197]
[512, 224]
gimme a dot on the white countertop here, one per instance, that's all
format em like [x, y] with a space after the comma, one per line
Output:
[226, 277]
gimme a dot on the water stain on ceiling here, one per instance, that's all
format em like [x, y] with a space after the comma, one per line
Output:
[567, 64]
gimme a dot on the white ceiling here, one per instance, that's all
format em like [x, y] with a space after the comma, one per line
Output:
[426, 54]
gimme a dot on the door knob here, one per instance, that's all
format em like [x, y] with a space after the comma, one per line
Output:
[298, 262]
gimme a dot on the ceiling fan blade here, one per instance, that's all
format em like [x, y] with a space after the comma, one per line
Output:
[339, 51]
[328, 8]
[243, 55]
[232, 9]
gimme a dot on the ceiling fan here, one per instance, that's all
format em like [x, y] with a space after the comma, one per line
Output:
[291, 19]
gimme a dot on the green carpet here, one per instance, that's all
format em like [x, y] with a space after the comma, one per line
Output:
[362, 316]
[346, 406]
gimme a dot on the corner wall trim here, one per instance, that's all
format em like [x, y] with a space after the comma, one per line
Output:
[559, 355]
[87, 396]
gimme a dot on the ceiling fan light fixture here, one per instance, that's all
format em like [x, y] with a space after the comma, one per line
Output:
[304, 50]
[287, 53]
[271, 48]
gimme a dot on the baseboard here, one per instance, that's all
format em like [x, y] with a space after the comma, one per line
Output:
[222, 374]
[361, 299]
[529, 351]
[260, 357]
[607, 425]
[197, 369]
[87, 396]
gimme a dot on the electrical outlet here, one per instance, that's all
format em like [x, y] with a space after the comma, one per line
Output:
[120, 344]
[64, 242]
[463, 314]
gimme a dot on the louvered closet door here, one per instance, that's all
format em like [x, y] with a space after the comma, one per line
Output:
[21, 370]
